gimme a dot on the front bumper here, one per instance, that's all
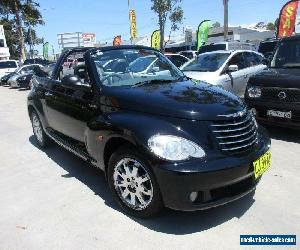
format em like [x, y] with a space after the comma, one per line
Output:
[262, 107]
[216, 182]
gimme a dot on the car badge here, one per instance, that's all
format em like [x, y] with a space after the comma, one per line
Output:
[282, 95]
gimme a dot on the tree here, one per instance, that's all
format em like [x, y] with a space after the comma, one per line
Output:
[32, 39]
[167, 9]
[216, 25]
[24, 13]
[270, 26]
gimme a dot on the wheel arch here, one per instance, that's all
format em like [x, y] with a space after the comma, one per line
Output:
[112, 145]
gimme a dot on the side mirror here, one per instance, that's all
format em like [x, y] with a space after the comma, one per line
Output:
[74, 82]
[233, 68]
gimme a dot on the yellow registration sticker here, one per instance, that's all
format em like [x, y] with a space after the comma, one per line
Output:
[262, 164]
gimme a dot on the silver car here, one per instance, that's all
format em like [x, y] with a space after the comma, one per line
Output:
[227, 69]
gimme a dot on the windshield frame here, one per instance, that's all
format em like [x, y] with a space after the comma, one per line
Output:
[89, 58]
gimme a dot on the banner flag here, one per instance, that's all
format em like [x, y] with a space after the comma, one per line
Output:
[133, 31]
[117, 41]
[202, 33]
[287, 19]
[46, 50]
[155, 39]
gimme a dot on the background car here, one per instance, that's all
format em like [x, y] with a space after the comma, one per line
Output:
[23, 77]
[227, 69]
[19, 71]
[36, 61]
[274, 94]
[8, 66]
[178, 60]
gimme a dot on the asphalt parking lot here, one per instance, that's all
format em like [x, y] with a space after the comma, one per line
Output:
[53, 200]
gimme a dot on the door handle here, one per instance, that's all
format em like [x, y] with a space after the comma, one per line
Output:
[48, 94]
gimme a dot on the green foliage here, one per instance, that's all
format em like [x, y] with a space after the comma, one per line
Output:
[270, 26]
[20, 15]
[167, 9]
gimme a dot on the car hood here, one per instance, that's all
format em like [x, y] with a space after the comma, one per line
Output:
[202, 76]
[186, 100]
[286, 78]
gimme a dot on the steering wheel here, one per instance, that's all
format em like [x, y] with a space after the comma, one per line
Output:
[111, 76]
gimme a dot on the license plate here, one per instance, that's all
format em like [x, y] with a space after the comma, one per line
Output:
[280, 114]
[262, 164]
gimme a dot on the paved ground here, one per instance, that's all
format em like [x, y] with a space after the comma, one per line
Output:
[53, 200]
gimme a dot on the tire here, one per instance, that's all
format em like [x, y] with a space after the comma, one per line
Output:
[42, 139]
[138, 181]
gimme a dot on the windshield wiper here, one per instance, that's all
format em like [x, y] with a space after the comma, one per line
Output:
[154, 81]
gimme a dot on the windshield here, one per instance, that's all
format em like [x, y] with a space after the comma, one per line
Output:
[8, 64]
[115, 68]
[287, 55]
[206, 62]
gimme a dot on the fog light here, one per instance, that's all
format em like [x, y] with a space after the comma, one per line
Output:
[193, 196]
[253, 111]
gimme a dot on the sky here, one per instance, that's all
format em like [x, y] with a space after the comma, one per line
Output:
[108, 18]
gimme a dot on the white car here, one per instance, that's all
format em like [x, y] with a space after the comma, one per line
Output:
[227, 69]
[8, 66]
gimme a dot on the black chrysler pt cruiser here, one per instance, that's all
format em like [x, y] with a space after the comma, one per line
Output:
[161, 138]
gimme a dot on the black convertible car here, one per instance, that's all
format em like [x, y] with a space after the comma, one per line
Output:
[161, 139]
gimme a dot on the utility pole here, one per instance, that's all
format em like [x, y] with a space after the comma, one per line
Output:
[30, 45]
[225, 2]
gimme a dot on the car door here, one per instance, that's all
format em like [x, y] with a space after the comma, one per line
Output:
[68, 108]
[238, 78]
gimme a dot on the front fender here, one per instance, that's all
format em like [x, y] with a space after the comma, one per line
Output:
[136, 128]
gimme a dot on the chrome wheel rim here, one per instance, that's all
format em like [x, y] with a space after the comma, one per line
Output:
[37, 128]
[133, 184]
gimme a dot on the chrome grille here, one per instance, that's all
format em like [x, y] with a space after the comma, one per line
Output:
[236, 134]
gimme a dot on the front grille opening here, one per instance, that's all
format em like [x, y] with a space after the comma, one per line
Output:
[233, 190]
[236, 135]
[224, 192]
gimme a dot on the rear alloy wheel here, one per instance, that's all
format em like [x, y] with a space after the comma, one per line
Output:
[133, 184]
[38, 131]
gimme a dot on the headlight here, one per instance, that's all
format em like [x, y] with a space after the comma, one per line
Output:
[254, 92]
[174, 148]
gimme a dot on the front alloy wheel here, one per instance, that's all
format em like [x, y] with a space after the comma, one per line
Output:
[133, 184]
